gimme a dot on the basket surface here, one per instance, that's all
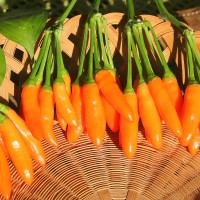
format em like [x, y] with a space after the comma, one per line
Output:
[82, 171]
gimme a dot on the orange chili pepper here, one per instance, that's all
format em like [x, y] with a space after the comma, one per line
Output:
[129, 130]
[74, 132]
[62, 100]
[31, 110]
[165, 107]
[5, 176]
[194, 144]
[174, 92]
[61, 121]
[34, 146]
[190, 113]
[146, 105]
[113, 94]
[95, 121]
[147, 109]
[17, 149]
[67, 80]
[46, 104]
[63, 103]
[111, 115]
[3, 147]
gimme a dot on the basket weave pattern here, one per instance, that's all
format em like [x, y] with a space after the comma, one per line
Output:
[82, 171]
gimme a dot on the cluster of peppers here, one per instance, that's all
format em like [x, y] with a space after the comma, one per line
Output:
[159, 97]
[96, 99]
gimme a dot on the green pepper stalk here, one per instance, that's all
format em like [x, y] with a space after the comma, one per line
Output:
[39, 75]
[61, 19]
[32, 77]
[167, 16]
[79, 78]
[129, 84]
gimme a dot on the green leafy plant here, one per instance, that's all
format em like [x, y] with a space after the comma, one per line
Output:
[24, 27]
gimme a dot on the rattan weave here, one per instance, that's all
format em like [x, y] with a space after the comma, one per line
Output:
[82, 171]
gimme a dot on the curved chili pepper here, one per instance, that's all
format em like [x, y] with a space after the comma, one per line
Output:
[5, 176]
[129, 130]
[168, 77]
[95, 121]
[63, 103]
[111, 115]
[174, 92]
[31, 110]
[61, 121]
[3, 147]
[190, 113]
[165, 107]
[74, 132]
[35, 147]
[113, 94]
[67, 80]
[146, 104]
[147, 109]
[46, 104]
[17, 149]
[194, 144]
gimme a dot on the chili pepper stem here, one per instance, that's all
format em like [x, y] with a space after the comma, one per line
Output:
[167, 16]
[39, 59]
[89, 78]
[62, 18]
[131, 11]
[129, 88]
[79, 77]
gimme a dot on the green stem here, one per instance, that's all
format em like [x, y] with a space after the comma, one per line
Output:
[192, 41]
[129, 87]
[59, 59]
[62, 18]
[100, 36]
[166, 15]
[190, 64]
[39, 75]
[111, 64]
[90, 78]
[137, 60]
[40, 56]
[95, 8]
[130, 6]
[47, 82]
[79, 80]
[137, 30]
[96, 54]
[167, 71]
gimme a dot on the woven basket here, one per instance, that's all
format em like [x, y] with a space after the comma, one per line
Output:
[82, 171]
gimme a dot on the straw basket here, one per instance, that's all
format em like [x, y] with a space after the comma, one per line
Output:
[82, 171]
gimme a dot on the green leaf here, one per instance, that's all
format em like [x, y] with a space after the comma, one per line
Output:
[23, 26]
[2, 66]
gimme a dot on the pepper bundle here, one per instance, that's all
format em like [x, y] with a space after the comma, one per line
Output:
[18, 145]
[190, 112]
[95, 99]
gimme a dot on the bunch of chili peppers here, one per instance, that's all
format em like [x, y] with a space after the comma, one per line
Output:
[190, 111]
[96, 99]
[20, 136]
